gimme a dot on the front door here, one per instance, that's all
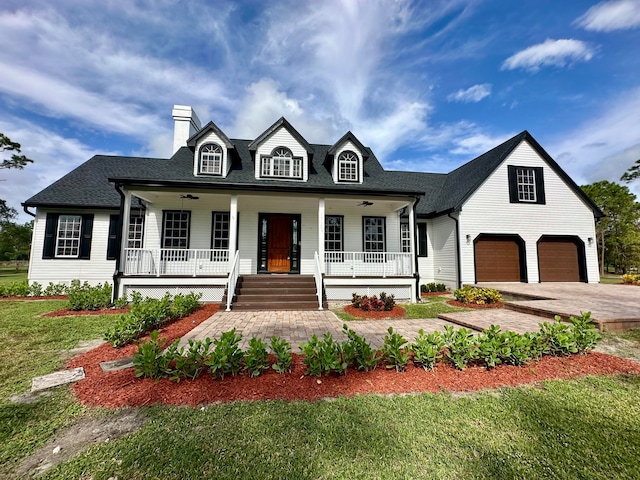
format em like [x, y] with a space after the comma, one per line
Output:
[279, 243]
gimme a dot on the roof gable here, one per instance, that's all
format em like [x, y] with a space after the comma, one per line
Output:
[349, 137]
[209, 127]
[281, 122]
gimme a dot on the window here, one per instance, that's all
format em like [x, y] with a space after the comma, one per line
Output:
[175, 233]
[136, 230]
[422, 239]
[526, 185]
[220, 231]
[67, 236]
[333, 238]
[373, 230]
[281, 164]
[68, 239]
[405, 238]
[348, 167]
[211, 159]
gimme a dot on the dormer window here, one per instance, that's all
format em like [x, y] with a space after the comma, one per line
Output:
[211, 159]
[281, 163]
[348, 167]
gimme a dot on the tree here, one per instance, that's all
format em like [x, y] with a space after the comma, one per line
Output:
[618, 232]
[631, 174]
[15, 241]
[16, 161]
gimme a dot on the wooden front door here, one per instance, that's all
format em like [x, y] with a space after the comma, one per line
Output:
[279, 243]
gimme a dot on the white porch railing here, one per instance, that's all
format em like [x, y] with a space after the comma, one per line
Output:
[175, 262]
[318, 277]
[368, 264]
[233, 280]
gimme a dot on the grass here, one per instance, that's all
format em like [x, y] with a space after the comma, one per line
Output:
[10, 276]
[430, 307]
[611, 279]
[588, 428]
[585, 428]
[628, 335]
[32, 345]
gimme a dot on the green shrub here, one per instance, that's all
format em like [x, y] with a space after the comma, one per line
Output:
[121, 302]
[35, 289]
[15, 289]
[86, 297]
[256, 358]
[433, 287]
[55, 289]
[461, 346]
[395, 351]
[191, 363]
[477, 295]
[183, 305]
[364, 356]
[493, 347]
[226, 356]
[149, 361]
[326, 355]
[558, 338]
[282, 351]
[427, 349]
[584, 331]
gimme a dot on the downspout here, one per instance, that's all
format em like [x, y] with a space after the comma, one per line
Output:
[416, 268]
[459, 255]
[26, 210]
[117, 274]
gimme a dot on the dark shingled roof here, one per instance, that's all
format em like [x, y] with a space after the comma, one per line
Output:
[88, 185]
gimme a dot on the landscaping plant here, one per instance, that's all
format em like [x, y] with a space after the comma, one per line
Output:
[461, 346]
[150, 362]
[87, 297]
[373, 303]
[364, 356]
[585, 334]
[226, 356]
[427, 349]
[326, 355]
[493, 347]
[191, 363]
[282, 351]
[477, 295]
[433, 287]
[256, 358]
[558, 338]
[395, 351]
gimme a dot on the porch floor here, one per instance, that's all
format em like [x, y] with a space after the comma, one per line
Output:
[298, 326]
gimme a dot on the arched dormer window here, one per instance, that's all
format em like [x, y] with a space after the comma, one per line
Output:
[211, 159]
[348, 167]
[281, 163]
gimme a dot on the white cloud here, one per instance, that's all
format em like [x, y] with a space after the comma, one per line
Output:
[471, 94]
[612, 15]
[558, 53]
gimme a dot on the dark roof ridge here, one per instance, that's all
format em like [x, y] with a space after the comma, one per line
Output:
[210, 126]
[281, 122]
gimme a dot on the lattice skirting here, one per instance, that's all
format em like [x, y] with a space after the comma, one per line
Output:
[212, 293]
[342, 292]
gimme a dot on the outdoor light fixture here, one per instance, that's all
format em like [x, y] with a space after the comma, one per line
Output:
[365, 203]
[468, 238]
[590, 240]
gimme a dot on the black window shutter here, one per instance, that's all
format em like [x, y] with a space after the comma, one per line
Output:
[48, 251]
[513, 184]
[85, 236]
[540, 185]
[112, 243]
[422, 240]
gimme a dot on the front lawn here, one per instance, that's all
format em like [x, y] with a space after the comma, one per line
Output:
[429, 307]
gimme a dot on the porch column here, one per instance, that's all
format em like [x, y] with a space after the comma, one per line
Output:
[126, 216]
[233, 227]
[321, 212]
[412, 247]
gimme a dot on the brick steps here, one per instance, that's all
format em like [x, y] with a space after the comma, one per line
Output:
[275, 292]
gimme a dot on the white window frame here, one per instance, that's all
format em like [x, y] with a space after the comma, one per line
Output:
[526, 184]
[136, 231]
[176, 216]
[220, 228]
[281, 164]
[68, 236]
[211, 159]
[405, 238]
[374, 226]
[348, 167]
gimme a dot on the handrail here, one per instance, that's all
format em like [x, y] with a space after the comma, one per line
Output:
[318, 277]
[233, 279]
[377, 264]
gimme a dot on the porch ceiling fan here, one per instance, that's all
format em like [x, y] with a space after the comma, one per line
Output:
[188, 196]
[365, 203]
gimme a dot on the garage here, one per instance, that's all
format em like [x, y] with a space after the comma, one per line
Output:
[499, 258]
[561, 259]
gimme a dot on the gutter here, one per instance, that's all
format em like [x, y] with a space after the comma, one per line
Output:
[415, 250]
[25, 208]
[458, 254]
[117, 274]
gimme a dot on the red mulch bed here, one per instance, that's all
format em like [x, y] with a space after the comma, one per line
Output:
[121, 388]
[50, 297]
[395, 312]
[455, 303]
[65, 312]
[433, 294]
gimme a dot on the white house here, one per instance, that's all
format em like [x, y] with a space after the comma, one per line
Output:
[222, 209]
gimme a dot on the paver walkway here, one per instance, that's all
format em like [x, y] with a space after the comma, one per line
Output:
[298, 326]
[507, 319]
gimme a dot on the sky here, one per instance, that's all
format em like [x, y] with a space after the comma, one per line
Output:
[428, 85]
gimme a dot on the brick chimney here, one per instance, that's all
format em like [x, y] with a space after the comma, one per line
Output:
[185, 124]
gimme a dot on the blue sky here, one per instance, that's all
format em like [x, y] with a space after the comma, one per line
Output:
[428, 85]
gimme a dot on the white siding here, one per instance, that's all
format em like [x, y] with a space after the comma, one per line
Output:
[444, 251]
[282, 138]
[488, 211]
[211, 137]
[348, 146]
[425, 264]
[96, 270]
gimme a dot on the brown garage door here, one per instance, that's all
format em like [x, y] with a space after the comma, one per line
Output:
[558, 260]
[497, 259]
